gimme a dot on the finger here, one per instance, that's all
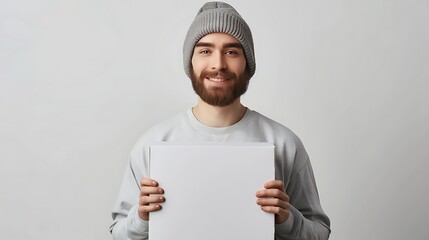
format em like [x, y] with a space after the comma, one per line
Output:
[146, 191]
[272, 193]
[274, 202]
[277, 184]
[146, 200]
[275, 210]
[148, 182]
[144, 209]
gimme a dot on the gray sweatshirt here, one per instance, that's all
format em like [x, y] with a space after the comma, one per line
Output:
[292, 165]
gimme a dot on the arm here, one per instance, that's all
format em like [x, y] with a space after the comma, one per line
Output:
[302, 217]
[126, 221]
[131, 211]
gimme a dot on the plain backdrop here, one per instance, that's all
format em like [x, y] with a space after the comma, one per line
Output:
[81, 80]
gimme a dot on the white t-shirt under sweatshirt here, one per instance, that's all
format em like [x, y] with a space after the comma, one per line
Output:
[307, 219]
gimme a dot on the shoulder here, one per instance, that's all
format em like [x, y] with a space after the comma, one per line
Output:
[288, 146]
[159, 132]
[272, 128]
[164, 129]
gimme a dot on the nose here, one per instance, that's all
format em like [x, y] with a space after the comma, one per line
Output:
[218, 62]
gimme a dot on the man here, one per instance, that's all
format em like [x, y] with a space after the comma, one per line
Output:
[219, 59]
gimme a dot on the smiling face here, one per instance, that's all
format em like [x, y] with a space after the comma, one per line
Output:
[219, 75]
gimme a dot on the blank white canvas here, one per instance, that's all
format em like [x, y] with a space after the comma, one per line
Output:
[210, 191]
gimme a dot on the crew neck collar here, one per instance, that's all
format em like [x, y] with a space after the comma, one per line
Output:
[219, 130]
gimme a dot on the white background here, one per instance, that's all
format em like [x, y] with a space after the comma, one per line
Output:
[80, 80]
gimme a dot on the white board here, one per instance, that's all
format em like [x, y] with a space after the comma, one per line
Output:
[210, 191]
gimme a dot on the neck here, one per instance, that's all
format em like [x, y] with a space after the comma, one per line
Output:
[214, 116]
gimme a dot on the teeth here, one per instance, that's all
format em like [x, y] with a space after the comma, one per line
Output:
[217, 79]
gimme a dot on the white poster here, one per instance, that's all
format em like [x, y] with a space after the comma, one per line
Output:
[210, 191]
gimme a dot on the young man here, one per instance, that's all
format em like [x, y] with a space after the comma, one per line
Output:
[219, 59]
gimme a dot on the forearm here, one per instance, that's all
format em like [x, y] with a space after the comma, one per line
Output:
[131, 227]
[299, 227]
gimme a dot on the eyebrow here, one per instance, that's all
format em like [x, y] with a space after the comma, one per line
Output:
[226, 45]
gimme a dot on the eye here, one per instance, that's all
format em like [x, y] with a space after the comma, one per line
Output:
[231, 52]
[204, 52]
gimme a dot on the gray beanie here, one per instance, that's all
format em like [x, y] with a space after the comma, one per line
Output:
[218, 17]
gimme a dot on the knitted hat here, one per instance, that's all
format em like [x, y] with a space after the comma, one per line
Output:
[218, 17]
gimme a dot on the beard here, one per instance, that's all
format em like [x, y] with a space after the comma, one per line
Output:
[220, 96]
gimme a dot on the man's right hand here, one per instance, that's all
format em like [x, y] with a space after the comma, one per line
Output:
[150, 197]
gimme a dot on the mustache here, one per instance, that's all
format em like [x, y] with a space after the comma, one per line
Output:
[223, 74]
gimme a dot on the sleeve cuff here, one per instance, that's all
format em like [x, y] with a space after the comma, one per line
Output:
[286, 228]
[136, 225]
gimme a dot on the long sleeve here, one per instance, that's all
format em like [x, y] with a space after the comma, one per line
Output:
[307, 219]
[127, 224]
[130, 227]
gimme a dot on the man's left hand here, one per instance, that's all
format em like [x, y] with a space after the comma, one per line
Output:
[273, 199]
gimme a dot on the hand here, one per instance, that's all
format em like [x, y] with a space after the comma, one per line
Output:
[149, 202]
[273, 199]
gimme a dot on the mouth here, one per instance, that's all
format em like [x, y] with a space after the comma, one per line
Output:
[216, 80]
